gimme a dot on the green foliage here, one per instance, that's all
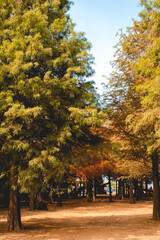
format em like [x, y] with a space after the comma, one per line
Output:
[43, 67]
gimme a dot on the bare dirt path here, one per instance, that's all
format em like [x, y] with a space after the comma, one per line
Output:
[80, 220]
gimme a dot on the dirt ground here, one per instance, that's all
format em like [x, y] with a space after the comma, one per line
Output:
[80, 220]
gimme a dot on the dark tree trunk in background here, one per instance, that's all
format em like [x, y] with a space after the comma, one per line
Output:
[94, 191]
[128, 190]
[59, 197]
[31, 201]
[146, 186]
[80, 186]
[136, 192]
[110, 190]
[156, 202]
[76, 191]
[83, 189]
[131, 191]
[59, 200]
[89, 191]
[124, 188]
[141, 189]
[14, 216]
[121, 189]
[116, 188]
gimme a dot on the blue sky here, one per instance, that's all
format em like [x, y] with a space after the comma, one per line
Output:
[101, 20]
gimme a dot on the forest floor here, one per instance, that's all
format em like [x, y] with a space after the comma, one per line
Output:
[81, 220]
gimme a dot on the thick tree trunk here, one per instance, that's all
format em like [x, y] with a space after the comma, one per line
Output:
[31, 202]
[131, 191]
[156, 202]
[14, 216]
[110, 190]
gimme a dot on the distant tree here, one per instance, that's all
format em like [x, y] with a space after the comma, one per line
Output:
[92, 160]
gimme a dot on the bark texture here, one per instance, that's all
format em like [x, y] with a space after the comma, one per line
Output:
[156, 202]
[89, 191]
[94, 191]
[31, 202]
[14, 216]
[131, 191]
[110, 190]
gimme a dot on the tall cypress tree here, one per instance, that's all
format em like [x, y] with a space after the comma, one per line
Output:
[133, 95]
[147, 118]
[43, 66]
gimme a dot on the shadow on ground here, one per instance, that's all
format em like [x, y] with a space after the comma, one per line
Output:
[79, 220]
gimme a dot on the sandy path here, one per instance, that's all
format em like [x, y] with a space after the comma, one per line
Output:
[79, 220]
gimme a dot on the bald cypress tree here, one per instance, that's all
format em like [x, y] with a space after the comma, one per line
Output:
[147, 118]
[43, 66]
[133, 92]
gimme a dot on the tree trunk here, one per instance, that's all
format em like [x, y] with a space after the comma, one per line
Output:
[94, 191]
[80, 187]
[128, 190]
[136, 191]
[121, 188]
[116, 189]
[110, 190]
[76, 192]
[131, 191]
[89, 192]
[84, 187]
[156, 202]
[59, 199]
[141, 190]
[31, 202]
[146, 186]
[14, 216]
[124, 188]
